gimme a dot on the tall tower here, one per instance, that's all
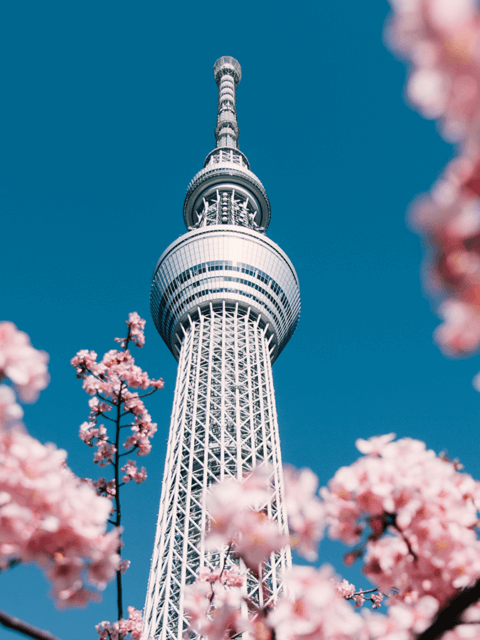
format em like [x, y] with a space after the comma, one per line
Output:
[226, 301]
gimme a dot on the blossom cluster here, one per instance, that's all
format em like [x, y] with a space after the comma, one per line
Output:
[213, 604]
[109, 382]
[441, 40]
[217, 604]
[47, 515]
[136, 327]
[349, 592]
[306, 514]
[237, 517]
[416, 513]
[25, 366]
[410, 515]
[315, 607]
[122, 628]
[50, 517]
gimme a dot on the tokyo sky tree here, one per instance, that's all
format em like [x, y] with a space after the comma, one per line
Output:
[226, 301]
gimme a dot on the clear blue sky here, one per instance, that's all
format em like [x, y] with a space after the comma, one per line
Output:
[108, 111]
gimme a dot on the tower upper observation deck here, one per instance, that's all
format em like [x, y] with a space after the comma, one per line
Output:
[225, 257]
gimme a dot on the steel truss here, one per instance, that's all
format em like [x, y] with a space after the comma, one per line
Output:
[223, 425]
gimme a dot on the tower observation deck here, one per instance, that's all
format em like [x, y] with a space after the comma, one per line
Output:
[226, 301]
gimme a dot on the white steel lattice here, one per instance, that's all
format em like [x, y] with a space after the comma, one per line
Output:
[223, 425]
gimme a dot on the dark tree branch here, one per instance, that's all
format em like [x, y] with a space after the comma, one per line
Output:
[127, 453]
[102, 398]
[450, 616]
[11, 622]
[106, 417]
[149, 393]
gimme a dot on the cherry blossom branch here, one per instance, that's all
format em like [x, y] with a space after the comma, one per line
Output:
[127, 453]
[11, 622]
[99, 396]
[118, 512]
[405, 539]
[113, 382]
[107, 417]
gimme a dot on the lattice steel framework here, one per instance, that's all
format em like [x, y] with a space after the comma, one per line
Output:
[223, 424]
[226, 301]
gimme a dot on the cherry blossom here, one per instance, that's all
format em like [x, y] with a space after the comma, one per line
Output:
[306, 517]
[313, 608]
[416, 513]
[11, 413]
[441, 39]
[213, 604]
[237, 517]
[136, 328]
[132, 473]
[404, 621]
[25, 366]
[48, 516]
[109, 382]
[104, 487]
[119, 630]
[124, 566]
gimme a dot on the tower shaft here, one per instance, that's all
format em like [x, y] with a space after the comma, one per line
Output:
[223, 425]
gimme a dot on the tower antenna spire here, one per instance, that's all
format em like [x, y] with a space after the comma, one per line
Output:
[228, 74]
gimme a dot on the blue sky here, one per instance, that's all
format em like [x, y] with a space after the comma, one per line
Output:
[108, 111]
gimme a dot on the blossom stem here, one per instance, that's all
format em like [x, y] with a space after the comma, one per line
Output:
[11, 622]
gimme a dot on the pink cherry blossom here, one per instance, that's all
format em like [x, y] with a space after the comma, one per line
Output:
[132, 473]
[122, 628]
[25, 366]
[11, 413]
[110, 381]
[441, 40]
[104, 487]
[214, 607]
[105, 453]
[306, 517]
[313, 608]
[403, 621]
[124, 566]
[48, 516]
[345, 589]
[236, 516]
[418, 512]
[256, 538]
[136, 328]
[374, 445]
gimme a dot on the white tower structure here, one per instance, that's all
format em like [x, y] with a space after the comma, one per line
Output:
[226, 301]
